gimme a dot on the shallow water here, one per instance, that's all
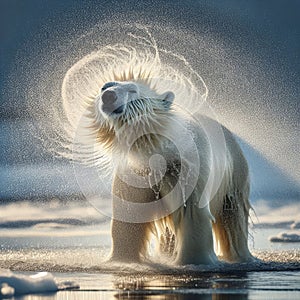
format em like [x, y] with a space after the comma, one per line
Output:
[57, 238]
[275, 276]
[211, 285]
[240, 285]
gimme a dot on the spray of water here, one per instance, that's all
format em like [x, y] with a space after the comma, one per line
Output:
[82, 61]
[84, 79]
[139, 60]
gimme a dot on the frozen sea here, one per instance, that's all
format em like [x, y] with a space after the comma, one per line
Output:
[72, 241]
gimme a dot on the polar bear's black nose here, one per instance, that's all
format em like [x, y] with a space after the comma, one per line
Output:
[109, 97]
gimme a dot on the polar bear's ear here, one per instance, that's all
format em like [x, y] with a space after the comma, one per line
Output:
[168, 99]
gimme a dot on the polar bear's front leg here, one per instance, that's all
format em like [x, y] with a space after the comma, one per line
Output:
[129, 240]
[194, 236]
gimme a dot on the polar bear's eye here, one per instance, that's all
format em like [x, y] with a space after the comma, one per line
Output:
[108, 85]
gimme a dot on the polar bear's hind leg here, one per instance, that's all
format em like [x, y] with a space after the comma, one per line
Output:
[231, 229]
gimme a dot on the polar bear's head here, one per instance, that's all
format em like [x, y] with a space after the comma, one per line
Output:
[124, 107]
[127, 100]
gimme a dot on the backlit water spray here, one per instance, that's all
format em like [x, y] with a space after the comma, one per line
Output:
[80, 88]
[77, 74]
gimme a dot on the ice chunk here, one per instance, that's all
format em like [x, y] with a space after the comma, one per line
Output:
[12, 283]
[295, 225]
[6, 290]
[286, 237]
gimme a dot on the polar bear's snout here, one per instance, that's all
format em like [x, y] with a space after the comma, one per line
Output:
[112, 100]
[114, 97]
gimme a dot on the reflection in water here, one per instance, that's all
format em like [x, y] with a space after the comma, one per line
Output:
[183, 296]
[108, 295]
[182, 287]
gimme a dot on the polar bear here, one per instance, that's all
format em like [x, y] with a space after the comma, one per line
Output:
[132, 121]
